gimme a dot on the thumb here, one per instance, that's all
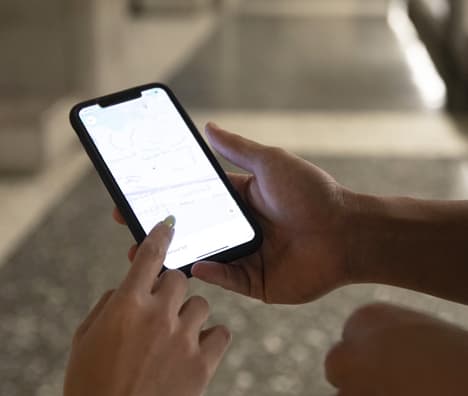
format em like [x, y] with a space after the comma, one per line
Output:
[240, 151]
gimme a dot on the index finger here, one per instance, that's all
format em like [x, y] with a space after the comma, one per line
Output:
[150, 256]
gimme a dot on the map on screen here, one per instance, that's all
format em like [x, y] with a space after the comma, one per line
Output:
[161, 170]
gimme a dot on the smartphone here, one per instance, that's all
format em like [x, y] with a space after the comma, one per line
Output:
[155, 163]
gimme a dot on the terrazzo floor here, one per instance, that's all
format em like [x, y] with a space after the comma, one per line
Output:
[78, 252]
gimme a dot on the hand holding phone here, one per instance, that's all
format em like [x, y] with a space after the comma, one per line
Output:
[154, 163]
[304, 214]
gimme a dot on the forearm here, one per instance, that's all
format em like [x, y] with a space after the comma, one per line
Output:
[410, 243]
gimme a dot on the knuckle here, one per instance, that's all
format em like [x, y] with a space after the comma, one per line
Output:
[160, 318]
[177, 278]
[131, 302]
[187, 342]
[199, 303]
[151, 249]
[163, 323]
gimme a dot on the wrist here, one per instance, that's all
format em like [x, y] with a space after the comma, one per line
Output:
[365, 230]
[405, 242]
[388, 236]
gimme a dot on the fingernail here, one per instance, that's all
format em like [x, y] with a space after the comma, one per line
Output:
[170, 221]
[211, 125]
[194, 268]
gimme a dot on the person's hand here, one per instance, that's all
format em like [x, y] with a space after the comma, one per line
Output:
[142, 339]
[388, 351]
[301, 210]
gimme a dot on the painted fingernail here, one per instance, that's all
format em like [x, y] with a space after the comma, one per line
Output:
[170, 221]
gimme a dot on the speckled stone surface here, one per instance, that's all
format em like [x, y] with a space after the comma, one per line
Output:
[326, 64]
[77, 253]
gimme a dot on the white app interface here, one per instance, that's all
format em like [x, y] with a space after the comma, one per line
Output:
[162, 171]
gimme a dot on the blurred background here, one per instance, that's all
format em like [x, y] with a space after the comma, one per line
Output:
[373, 91]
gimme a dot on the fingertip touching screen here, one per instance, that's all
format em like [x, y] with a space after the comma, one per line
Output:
[161, 170]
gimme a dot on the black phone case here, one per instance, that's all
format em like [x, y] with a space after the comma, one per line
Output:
[118, 197]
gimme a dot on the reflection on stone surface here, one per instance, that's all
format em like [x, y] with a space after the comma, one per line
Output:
[326, 64]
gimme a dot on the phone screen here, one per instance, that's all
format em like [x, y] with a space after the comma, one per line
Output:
[162, 170]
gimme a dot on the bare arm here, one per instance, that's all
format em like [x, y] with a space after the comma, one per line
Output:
[415, 244]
